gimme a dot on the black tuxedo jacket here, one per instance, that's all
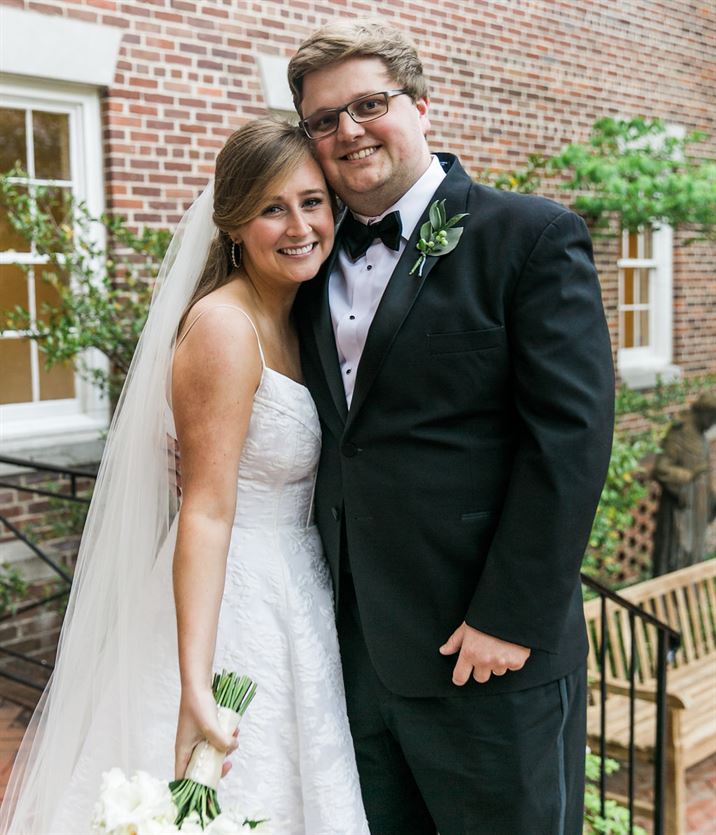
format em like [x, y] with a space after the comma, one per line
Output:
[469, 466]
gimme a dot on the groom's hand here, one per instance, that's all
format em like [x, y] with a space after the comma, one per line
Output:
[482, 655]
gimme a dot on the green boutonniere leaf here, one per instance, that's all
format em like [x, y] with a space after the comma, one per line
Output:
[438, 235]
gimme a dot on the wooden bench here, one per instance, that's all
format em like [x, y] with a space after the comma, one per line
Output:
[686, 600]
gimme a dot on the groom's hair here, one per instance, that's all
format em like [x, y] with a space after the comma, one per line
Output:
[365, 38]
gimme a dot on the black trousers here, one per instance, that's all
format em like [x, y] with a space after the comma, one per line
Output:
[468, 764]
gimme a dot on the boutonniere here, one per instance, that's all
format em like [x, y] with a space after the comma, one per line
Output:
[438, 236]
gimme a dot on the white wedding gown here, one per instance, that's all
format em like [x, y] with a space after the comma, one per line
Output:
[295, 763]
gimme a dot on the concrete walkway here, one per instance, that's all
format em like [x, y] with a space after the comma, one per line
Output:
[13, 721]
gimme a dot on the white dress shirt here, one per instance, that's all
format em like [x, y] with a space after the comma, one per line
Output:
[355, 288]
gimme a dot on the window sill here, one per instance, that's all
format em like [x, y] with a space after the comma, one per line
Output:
[647, 376]
[68, 440]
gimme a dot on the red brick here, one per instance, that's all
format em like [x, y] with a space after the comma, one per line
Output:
[506, 80]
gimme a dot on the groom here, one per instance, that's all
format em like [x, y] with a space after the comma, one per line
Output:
[466, 409]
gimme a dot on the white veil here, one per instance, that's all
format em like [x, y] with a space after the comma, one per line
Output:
[129, 518]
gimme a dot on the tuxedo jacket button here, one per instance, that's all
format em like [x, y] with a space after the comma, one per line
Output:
[349, 450]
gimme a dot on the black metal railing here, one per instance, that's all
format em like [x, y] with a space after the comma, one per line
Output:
[72, 476]
[667, 643]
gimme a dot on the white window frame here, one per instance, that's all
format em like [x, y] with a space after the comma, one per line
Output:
[27, 425]
[644, 366]
[273, 70]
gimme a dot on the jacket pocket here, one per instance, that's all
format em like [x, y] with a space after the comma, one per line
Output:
[458, 342]
[477, 514]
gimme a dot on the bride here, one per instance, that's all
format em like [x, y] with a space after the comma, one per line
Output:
[235, 579]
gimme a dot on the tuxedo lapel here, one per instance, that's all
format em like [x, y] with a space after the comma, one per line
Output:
[403, 289]
[325, 338]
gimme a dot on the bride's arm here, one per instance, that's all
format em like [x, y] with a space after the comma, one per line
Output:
[215, 374]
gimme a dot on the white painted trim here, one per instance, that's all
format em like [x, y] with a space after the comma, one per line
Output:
[59, 48]
[647, 376]
[24, 421]
[83, 103]
[274, 80]
[43, 432]
[663, 307]
[641, 367]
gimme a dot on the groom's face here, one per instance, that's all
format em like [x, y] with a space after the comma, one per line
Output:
[372, 164]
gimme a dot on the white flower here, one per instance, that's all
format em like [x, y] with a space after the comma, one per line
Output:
[157, 827]
[191, 826]
[128, 807]
[225, 824]
[154, 800]
[144, 806]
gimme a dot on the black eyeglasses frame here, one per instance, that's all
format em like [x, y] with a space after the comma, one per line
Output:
[388, 94]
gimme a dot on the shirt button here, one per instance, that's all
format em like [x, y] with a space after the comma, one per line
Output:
[348, 371]
[369, 267]
[351, 316]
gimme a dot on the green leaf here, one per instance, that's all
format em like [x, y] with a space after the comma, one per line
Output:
[91, 306]
[435, 216]
[426, 231]
[453, 236]
[455, 219]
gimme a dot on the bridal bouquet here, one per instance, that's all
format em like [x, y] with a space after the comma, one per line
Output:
[144, 805]
[196, 792]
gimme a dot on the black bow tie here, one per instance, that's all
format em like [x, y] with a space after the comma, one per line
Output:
[357, 236]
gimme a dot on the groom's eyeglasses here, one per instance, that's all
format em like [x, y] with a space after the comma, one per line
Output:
[365, 109]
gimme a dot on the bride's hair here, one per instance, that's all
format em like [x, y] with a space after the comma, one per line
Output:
[253, 160]
[132, 521]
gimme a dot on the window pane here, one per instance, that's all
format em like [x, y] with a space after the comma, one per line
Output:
[51, 137]
[58, 383]
[628, 283]
[45, 291]
[644, 286]
[13, 289]
[646, 236]
[9, 238]
[55, 202]
[643, 328]
[628, 329]
[16, 384]
[12, 139]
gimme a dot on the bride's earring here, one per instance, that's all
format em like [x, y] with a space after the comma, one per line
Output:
[234, 260]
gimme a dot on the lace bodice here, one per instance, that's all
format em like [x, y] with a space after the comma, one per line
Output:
[277, 489]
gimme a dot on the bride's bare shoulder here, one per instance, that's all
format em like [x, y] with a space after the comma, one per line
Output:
[218, 337]
[226, 302]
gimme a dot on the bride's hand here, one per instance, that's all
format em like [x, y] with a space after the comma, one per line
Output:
[198, 721]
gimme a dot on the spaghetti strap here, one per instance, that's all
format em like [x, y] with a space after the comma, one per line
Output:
[232, 307]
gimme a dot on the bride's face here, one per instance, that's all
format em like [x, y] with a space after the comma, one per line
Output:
[293, 232]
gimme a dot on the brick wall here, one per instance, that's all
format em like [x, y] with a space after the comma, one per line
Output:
[20, 507]
[506, 78]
